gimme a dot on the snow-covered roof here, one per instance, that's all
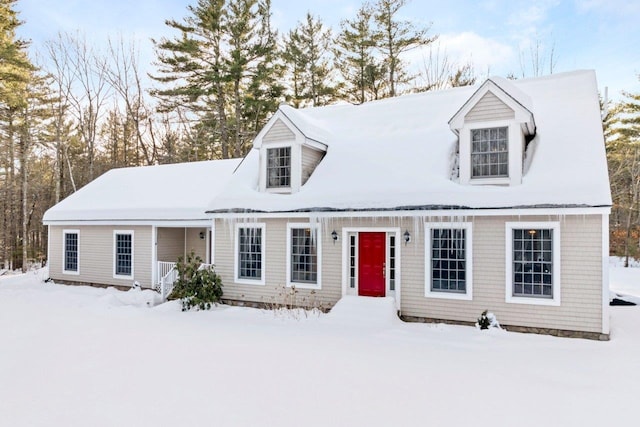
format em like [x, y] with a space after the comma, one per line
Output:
[398, 154]
[307, 125]
[166, 192]
[511, 89]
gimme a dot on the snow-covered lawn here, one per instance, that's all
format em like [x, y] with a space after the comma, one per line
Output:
[79, 356]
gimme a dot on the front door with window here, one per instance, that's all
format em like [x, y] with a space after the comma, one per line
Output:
[371, 264]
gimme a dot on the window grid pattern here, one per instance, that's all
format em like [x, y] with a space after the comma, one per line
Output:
[392, 262]
[304, 256]
[533, 263]
[448, 260]
[279, 167]
[250, 253]
[71, 251]
[352, 261]
[489, 153]
[123, 254]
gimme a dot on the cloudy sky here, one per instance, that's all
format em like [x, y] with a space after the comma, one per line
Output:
[495, 35]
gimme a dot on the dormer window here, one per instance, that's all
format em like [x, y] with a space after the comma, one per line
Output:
[279, 167]
[490, 153]
[493, 127]
[287, 157]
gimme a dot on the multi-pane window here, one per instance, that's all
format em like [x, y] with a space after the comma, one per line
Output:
[279, 167]
[352, 261]
[392, 262]
[489, 152]
[250, 253]
[71, 251]
[304, 256]
[533, 263]
[124, 254]
[448, 260]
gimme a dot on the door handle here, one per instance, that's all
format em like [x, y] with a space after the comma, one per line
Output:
[384, 270]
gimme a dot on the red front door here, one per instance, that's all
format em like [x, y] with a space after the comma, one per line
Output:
[371, 254]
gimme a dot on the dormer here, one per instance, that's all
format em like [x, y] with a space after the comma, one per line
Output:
[289, 152]
[493, 128]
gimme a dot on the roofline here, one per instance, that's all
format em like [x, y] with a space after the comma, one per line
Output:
[300, 130]
[418, 211]
[481, 87]
[509, 95]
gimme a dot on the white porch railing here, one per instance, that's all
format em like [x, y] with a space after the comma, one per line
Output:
[168, 275]
[166, 283]
[164, 267]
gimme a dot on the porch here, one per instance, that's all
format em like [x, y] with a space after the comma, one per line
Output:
[172, 243]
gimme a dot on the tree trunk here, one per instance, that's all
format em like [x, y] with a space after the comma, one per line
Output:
[238, 112]
[10, 242]
[25, 213]
[627, 240]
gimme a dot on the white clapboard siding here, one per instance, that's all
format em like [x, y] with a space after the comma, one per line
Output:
[96, 254]
[279, 132]
[489, 107]
[581, 280]
[310, 159]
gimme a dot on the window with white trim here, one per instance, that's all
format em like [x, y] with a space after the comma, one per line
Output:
[279, 167]
[448, 261]
[490, 152]
[71, 248]
[303, 251]
[533, 264]
[250, 253]
[123, 261]
[353, 260]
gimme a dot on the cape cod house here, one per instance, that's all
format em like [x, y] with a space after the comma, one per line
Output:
[487, 197]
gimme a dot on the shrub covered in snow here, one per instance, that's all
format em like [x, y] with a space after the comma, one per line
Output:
[196, 286]
[487, 320]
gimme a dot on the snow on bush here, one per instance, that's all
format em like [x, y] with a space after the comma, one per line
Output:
[487, 320]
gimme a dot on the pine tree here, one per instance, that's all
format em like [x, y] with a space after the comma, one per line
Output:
[621, 127]
[191, 67]
[15, 73]
[630, 117]
[223, 57]
[32, 128]
[295, 66]
[14, 63]
[265, 90]
[397, 37]
[356, 60]
[308, 58]
[251, 65]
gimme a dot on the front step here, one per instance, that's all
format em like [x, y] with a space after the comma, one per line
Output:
[365, 310]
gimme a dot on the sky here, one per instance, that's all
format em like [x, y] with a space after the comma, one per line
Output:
[496, 36]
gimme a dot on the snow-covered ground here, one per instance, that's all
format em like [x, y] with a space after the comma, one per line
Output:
[79, 356]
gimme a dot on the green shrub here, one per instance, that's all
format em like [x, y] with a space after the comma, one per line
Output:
[195, 286]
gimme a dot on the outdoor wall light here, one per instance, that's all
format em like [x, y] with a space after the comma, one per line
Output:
[334, 236]
[202, 235]
[407, 237]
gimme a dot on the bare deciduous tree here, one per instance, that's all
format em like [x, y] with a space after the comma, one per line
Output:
[85, 87]
[440, 72]
[123, 74]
